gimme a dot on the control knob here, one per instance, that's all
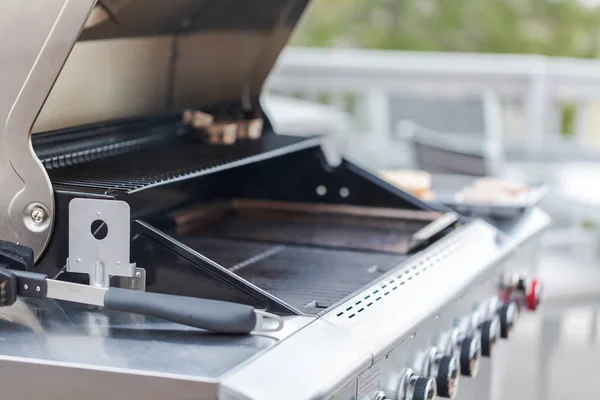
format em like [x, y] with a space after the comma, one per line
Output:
[490, 333]
[446, 370]
[470, 354]
[533, 293]
[380, 395]
[530, 289]
[507, 315]
[415, 387]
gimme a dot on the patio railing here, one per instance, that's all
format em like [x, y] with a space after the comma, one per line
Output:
[538, 104]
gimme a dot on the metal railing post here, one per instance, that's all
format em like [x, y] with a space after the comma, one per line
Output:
[536, 109]
[378, 114]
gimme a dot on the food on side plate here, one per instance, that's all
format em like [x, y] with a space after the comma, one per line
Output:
[494, 190]
[417, 183]
[500, 184]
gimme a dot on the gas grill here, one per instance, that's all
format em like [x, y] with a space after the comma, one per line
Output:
[159, 213]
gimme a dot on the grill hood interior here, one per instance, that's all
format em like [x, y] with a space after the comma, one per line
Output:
[151, 57]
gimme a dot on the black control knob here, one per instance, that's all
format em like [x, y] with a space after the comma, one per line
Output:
[380, 395]
[446, 370]
[421, 388]
[490, 333]
[521, 283]
[470, 354]
[508, 315]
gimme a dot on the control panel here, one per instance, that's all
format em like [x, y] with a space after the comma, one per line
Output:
[448, 351]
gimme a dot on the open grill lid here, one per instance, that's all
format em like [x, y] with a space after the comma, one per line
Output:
[148, 57]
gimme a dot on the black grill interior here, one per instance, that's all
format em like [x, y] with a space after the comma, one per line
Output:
[311, 256]
[308, 278]
[310, 259]
[321, 231]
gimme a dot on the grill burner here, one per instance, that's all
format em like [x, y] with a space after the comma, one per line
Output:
[308, 278]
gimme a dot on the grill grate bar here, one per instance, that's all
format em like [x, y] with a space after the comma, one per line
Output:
[298, 275]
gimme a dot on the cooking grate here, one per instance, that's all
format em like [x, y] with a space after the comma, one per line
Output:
[308, 278]
[133, 156]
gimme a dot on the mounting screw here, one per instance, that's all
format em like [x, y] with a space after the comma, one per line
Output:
[38, 215]
[138, 274]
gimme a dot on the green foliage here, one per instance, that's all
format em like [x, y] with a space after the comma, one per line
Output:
[551, 27]
[568, 120]
[589, 225]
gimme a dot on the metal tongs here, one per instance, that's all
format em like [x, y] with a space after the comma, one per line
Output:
[212, 315]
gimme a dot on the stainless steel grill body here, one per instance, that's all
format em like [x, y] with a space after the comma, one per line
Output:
[357, 311]
[344, 354]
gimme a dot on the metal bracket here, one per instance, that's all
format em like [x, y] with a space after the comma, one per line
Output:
[136, 282]
[99, 233]
[37, 37]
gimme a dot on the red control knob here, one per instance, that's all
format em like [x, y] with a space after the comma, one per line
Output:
[533, 294]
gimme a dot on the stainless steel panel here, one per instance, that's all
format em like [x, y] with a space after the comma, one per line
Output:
[71, 381]
[117, 78]
[35, 39]
[109, 79]
[137, 18]
[168, 55]
[314, 363]
[410, 352]
[76, 334]
[223, 66]
[433, 278]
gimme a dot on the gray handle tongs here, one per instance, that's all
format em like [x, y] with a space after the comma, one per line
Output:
[212, 315]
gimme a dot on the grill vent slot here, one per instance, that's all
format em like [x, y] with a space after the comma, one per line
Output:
[406, 275]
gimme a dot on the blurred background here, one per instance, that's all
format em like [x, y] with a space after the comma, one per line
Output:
[505, 88]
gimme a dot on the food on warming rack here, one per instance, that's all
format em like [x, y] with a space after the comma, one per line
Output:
[204, 126]
[250, 125]
[197, 119]
[494, 190]
[221, 133]
[250, 128]
[417, 183]
[255, 127]
[224, 130]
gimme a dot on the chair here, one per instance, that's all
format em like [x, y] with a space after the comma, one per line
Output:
[462, 137]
